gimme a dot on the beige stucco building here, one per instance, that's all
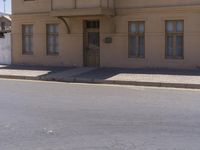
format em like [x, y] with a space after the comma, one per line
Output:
[107, 33]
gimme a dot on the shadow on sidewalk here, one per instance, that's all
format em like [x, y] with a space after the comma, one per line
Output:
[105, 73]
[97, 73]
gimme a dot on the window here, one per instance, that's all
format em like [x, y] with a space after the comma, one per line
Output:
[3, 26]
[2, 35]
[92, 24]
[174, 39]
[52, 39]
[27, 39]
[137, 39]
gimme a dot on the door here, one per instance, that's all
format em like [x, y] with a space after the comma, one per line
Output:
[91, 42]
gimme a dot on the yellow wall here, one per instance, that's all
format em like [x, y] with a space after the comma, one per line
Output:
[150, 3]
[116, 53]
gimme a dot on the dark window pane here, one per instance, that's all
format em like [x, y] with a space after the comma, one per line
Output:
[92, 24]
[179, 26]
[93, 40]
[170, 26]
[141, 27]
[141, 46]
[169, 46]
[179, 46]
[132, 46]
[133, 27]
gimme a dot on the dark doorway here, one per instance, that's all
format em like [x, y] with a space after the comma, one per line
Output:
[91, 43]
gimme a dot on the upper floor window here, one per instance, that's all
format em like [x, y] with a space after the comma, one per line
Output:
[52, 39]
[137, 39]
[175, 39]
[27, 39]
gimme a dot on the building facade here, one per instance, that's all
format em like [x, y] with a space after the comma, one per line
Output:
[107, 33]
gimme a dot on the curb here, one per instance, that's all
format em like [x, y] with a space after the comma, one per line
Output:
[101, 81]
[18, 77]
[153, 84]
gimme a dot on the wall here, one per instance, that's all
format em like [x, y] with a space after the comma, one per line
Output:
[153, 3]
[70, 45]
[116, 53]
[20, 7]
[42, 6]
[5, 49]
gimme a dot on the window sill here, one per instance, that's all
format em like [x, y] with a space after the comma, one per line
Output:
[136, 57]
[27, 53]
[52, 54]
[174, 58]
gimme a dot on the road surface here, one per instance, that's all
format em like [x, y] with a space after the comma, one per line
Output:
[63, 116]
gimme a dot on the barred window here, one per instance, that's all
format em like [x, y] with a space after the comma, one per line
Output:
[27, 39]
[137, 39]
[175, 39]
[52, 39]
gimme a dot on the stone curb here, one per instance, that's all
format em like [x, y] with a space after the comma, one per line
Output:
[18, 77]
[101, 81]
[137, 83]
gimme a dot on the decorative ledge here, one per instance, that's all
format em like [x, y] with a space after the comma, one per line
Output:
[83, 12]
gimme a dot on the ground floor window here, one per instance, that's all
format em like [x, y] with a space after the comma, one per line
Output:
[174, 39]
[52, 39]
[136, 39]
[27, 39]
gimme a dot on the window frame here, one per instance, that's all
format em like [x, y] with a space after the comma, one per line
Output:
[48, 52]
[137, 35]
[29, 35]
[174, 34]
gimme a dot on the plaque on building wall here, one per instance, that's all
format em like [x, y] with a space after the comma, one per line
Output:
[108, 40]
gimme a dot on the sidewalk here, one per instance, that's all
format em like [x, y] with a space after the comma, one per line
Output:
[140, 77]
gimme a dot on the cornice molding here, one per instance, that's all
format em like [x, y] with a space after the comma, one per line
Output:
[160, 9]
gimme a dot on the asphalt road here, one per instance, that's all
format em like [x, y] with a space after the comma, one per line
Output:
[61, 116]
